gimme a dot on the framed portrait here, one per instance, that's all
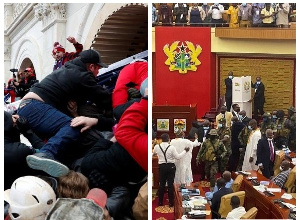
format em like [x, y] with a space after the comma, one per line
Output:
[163, 125]
[179, 124]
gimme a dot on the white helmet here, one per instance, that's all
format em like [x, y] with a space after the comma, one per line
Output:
[30, 198]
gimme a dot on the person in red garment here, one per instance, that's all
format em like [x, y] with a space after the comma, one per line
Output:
[61, 56]
[127, 87]
[131, 132]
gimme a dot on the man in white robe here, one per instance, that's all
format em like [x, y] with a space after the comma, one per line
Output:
[183, 174]
[251, 148]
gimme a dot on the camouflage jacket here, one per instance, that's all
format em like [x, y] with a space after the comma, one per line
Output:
[211, 150]
[281, 127]
[244, 135]
[224, 131]
[264, 126]
[293, 121]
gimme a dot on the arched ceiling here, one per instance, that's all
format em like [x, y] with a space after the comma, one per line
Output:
[123, 34]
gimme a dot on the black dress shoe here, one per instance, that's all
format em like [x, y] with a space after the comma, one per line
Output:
[171, 205]
[160, 204]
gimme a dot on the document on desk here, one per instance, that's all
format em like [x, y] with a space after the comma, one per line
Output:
[260, 188]
[289, 205]
[197, 212]
[191, 192]
[274, 189]
[265, 183]
[286, 196]
[197, 202]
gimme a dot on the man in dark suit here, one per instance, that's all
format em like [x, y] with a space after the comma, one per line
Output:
[236, 128]
[203, 131]
[216, 200]
[228, 94]
[243, 117]
[259, 97]
[202, 136]
[266, 154]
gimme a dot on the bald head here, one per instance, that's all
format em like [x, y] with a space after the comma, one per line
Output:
[243, 113]
[223, 109]
[253, 124]
[227, 176]
[234, 119]
[285, 165]
[206, 123]
[269, 133]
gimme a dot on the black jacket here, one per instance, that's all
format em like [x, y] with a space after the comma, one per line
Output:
[216, 199]
[72, 82]
[15, 152]
[113, 163]
[201, 134]
[263, 152]
[259, 96]
[228, 84]
[235, 131]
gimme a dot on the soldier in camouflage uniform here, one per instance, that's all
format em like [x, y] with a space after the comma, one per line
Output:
[243, 138]
[266, 124]
[292, 136]
[211, 151]
[224, 136]
[282, 130]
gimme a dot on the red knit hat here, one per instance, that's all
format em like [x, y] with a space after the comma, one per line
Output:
[28, 70]
[58, 47]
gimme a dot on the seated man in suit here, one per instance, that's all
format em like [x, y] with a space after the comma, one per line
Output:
[228, 183]
[237, 210]
[282, 177]
[216, 200]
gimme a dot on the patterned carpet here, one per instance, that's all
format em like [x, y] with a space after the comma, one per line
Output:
[165, 212]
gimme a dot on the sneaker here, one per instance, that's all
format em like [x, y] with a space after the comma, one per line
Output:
[46, 163]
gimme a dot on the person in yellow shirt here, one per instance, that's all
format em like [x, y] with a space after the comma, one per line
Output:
[267, 14]
[233, 15]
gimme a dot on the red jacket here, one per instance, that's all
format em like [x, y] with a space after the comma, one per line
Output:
[130, 132]
[68, 56]
[134, 73]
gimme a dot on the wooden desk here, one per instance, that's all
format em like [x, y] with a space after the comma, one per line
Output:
[178, 210]
[267, 209]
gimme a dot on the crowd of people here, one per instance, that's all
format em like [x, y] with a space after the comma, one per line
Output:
[237, 15]
[82, 137]
[233, 143]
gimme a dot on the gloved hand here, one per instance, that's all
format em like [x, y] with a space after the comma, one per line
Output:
[133, 93]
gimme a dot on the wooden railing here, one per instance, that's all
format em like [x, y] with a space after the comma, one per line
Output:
[257, 33]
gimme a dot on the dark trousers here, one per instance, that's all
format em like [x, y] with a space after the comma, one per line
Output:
[257, 108]
[234, 160]
[166, 174]
[268, 171]
[228, 103]
[47, 120]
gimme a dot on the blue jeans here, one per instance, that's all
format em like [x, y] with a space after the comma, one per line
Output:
[44, 119]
